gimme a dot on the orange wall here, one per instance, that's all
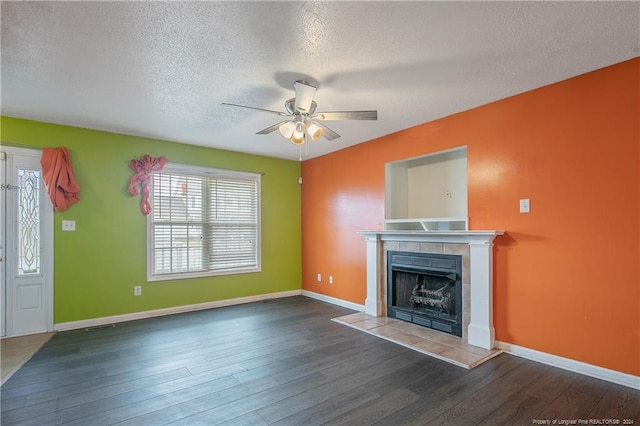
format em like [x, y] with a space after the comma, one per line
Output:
[566, 275]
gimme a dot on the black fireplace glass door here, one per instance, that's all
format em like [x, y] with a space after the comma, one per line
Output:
[426, 289]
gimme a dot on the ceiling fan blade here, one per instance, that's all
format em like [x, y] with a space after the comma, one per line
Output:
[346, 115]
[304, 95]
[271, 128]
[282, 114]
[327, 132]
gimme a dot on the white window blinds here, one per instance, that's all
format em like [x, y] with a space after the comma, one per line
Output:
[203, 222]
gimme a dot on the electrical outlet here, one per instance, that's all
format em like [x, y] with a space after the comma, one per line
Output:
[137, 290]
[319, 277]
[330, 279]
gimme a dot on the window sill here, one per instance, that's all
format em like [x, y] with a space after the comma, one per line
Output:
[205, 274]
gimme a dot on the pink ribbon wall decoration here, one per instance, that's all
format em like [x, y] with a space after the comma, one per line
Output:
[143, 167]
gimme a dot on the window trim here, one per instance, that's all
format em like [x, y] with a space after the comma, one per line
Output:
[212, 172]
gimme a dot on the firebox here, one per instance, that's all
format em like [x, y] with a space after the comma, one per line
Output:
[425, 289]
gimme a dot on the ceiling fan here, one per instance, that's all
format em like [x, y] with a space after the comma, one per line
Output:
[303, 120]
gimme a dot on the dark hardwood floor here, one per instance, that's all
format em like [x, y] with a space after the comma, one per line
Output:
[285, 362]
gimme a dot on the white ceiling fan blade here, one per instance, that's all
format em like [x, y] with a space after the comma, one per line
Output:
[327, 133]
[282, 114]
[304, 95]
[346, 115]
[271, 128]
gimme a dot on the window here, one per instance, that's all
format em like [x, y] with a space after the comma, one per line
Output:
[203, 222]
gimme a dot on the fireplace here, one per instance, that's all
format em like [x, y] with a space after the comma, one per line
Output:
[425, 289]
[476, 249]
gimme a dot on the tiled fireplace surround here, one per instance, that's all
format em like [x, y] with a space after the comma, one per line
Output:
[476, 249]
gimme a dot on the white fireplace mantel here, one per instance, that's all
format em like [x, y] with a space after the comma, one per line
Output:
[480, 331]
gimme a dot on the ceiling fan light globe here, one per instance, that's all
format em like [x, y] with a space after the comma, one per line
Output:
[287, 129]
[313, 130]
[298, 135]
[297, 139]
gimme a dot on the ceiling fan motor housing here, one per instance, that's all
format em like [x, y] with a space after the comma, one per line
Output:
[304, 96]
[290, 106]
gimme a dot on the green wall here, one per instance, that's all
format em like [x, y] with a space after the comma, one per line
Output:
[97, 266]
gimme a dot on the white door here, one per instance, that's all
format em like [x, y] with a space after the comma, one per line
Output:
[26, 247]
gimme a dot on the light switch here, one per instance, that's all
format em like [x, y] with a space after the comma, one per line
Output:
[525, 206]
[68, 225]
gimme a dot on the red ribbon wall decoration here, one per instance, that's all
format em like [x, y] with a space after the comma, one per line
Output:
[141, 179]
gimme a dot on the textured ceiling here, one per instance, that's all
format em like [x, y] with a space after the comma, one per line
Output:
[161, 69]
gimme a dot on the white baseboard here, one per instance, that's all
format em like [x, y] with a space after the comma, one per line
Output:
[333, 300]
[96, 322]
[613, 376]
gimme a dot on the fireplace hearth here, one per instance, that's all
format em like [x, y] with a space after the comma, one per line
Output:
[425, 289]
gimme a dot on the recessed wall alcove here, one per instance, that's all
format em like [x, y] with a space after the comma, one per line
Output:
[427, 192]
